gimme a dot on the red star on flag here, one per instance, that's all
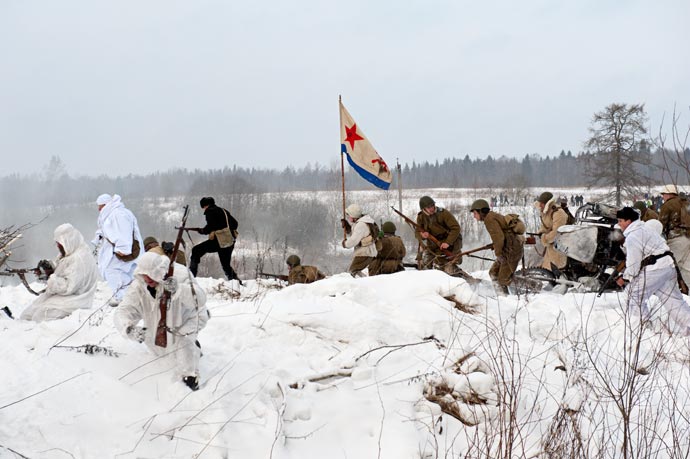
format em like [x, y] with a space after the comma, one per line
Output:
[352, 135]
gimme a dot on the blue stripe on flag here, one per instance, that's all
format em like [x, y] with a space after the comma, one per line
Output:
[366, 175]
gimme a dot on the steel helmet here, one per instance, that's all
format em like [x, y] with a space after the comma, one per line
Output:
[480, 204]
[388, 227]
[426, 201]
[293, 260]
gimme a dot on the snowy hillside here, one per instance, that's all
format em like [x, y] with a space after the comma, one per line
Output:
[340, 368]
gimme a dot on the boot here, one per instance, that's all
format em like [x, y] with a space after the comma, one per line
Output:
[192, 382]
[501, 290]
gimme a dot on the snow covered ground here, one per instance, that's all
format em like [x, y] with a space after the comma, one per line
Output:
[340, 368]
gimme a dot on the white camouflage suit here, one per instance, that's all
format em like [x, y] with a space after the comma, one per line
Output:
[116, 225]
[73, 283]
[658, 279]
[186, 315]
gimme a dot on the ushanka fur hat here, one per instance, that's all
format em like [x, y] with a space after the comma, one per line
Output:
[628, 213]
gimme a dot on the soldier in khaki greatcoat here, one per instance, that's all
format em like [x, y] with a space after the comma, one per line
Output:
[299, 274]
[390, 258]
[441, 224]
[552, 217]
[508, 246]
[645, 212]
[676, 233]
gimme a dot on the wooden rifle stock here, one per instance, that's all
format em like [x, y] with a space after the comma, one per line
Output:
[450, 255]
[162, 329]
[188, 228]
[478, 249]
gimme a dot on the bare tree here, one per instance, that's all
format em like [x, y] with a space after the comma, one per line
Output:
[618, 155]
[675, 151]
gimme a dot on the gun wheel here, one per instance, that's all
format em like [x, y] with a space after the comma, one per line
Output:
[533, 280]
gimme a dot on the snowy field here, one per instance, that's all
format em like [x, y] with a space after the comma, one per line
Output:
[346, 368]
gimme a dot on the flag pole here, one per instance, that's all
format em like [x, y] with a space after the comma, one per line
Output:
[342, 159]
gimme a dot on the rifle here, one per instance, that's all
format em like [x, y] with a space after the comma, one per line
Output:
[478, 249]
[282, 277]
[21, 273]
[681, 282]
[620, 267]
[188, 228]
[449, 255]
[162, 329]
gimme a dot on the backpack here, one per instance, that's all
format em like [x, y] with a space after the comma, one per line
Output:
[514, 223]
[684, 216]
[571, 219]
[373, 238]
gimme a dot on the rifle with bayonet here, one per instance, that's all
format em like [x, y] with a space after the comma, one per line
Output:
[448, 254]
[282, 277]
[617, 271]
[162, 329]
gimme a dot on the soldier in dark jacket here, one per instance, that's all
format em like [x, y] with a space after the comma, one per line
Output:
[217, 219]
[646, 213]
[508, 247]
[390, 258]
[298, 274]
[443, 226]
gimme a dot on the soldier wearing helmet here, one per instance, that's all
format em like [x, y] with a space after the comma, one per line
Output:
[646, 213]
[508, 246]
[390, 258]
[299, 274]
[443, 226]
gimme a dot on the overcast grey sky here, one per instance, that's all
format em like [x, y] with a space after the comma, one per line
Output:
[126, 86]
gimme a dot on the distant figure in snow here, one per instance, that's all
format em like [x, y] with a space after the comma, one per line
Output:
[119, 243]
[650, 270]
[72, 285]
[389, 258]
[186, 316]
[301, 274]
[151, 245]
[361, 230]
[221, 228]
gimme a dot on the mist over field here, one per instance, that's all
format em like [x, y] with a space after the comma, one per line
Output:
[272, 225]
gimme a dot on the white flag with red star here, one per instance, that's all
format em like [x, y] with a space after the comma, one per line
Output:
[361, 154]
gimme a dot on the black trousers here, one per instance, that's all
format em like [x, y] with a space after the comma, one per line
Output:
[211, 246]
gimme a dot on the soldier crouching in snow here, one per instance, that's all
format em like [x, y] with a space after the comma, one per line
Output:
[186, 315]
[444, 227]
[73, 283]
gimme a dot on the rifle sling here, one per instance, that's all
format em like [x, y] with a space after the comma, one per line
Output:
[650, 260]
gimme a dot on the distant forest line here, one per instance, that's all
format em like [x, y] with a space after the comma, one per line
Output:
[56, 186]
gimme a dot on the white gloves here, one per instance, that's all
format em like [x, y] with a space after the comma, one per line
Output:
[170, 285]
[136, 333]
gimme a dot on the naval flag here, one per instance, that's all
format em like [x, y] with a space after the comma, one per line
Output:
[361, 154]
